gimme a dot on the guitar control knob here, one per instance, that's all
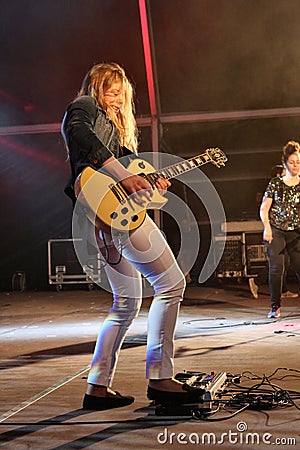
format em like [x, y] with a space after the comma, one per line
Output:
[141, 165]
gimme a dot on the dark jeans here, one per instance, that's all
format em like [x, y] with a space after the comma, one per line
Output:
[263, 275]
[283, 241]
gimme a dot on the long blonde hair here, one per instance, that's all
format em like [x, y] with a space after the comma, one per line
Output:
[98, 79]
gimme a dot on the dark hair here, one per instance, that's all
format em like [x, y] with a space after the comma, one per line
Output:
[290, 148]
[276, 171]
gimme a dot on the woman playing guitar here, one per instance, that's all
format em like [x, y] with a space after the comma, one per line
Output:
[99, 128]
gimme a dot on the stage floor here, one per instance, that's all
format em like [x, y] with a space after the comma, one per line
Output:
[47, 340]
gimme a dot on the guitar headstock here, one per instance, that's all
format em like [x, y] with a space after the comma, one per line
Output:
[216, 156]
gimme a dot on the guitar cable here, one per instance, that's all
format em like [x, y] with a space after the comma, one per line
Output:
[106, 257]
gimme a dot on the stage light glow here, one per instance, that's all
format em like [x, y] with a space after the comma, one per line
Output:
[32, 152]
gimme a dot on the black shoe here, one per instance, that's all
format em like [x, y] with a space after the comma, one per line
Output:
[108, 402]
[169, 397]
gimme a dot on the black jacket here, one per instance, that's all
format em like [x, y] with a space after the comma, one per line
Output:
[91, 138]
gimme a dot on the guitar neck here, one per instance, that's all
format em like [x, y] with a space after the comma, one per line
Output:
[184, 166]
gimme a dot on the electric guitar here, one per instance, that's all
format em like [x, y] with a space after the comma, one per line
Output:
[114, 207]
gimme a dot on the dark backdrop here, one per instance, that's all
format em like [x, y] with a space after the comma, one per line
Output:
[209, 56]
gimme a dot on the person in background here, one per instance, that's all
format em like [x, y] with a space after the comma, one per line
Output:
[279, 213]
[263, 276]
[99, 128]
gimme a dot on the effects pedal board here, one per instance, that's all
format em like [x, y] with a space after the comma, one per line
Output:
[211, 385]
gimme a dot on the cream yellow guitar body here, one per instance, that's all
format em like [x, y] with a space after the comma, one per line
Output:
[111, 203]
[113, 207]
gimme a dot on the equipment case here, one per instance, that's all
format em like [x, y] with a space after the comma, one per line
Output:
[64, 267]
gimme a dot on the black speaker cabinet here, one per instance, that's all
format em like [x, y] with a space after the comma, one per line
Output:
[256, 254]
[232, 263]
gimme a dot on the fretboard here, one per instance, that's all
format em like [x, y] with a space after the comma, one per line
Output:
[184, 166]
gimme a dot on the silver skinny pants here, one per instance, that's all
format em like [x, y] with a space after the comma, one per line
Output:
[144, 252]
